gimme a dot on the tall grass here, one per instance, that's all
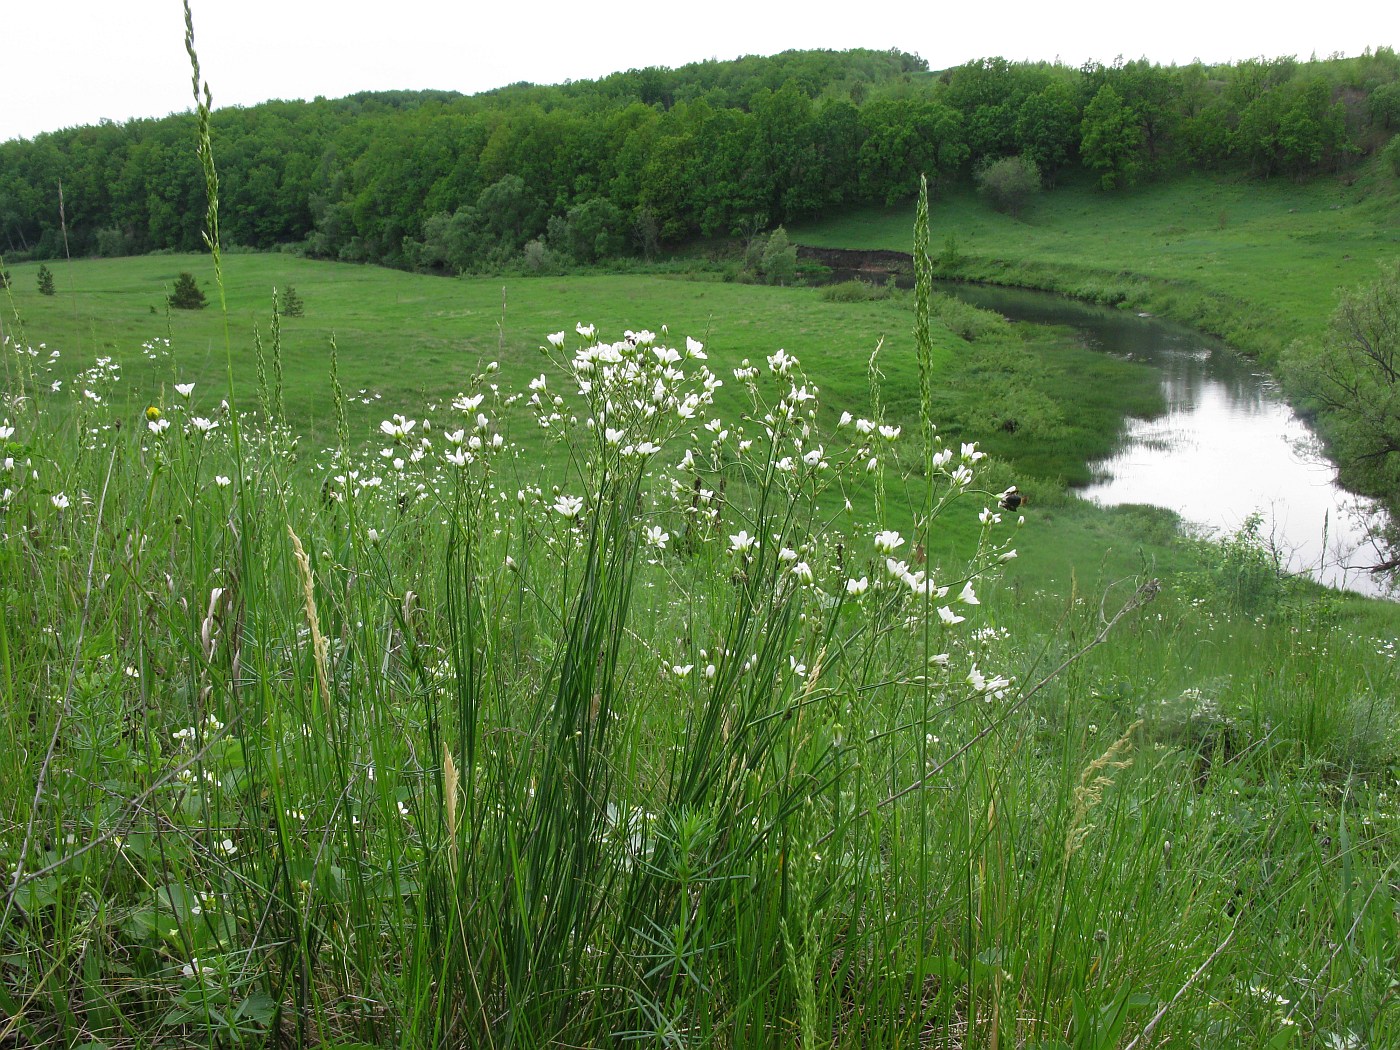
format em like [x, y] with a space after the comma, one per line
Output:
[441, 739]
[429, 743]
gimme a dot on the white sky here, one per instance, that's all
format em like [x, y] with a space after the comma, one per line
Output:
[68, 62]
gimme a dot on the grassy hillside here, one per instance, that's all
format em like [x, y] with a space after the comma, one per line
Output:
[559, 741]
[1256, 262]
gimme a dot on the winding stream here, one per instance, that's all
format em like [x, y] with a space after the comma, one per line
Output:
[1227, 447]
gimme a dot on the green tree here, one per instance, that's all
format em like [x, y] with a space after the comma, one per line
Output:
[289, 303]
[1047, 128]
[45, 280]
[187, 294]
[779, 258]
[1009, 183]
[1110, 139]
[1383, 107]
[1353, 377]
[593, 230]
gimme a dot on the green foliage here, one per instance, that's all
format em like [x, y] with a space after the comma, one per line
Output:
[710, 150]
[186, 295]
[45, 280]
[1009, 184]
[1351, 375]
[1383, 106]
[1246, 575]
[856, 291]
[769, 258]
[1111, 139]
[4, 277]
[289, 303]
[1391, 155]
[779, 265]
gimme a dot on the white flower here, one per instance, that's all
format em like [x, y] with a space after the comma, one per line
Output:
[556, 339]
[613, 436]
[803, 572]
[696, 349]
[184, 389]
[398, 427]
[970, 453]
[787, 554]
[227, 847]
[949, 617]
[1007, 555]
[864, 426]
[59, 500]
[682, 670]
[204, 426]
[845, 420]
[158, 426]
[781, 363]
[855, 588]
[888, 542]
[468, 404]
[897, 570]
[568, 506]
[588, 331]
[222, 481]
[993, 688]
[889, 433]
[656, 536]
[968, 595]
[813, 458]
[742, 542]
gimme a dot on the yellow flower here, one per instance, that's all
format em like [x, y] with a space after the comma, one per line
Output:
[153, 413]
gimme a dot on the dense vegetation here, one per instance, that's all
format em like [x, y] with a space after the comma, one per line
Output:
[543, 175]
[522, 683]
[298, 745]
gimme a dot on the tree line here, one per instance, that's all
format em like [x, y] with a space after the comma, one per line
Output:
[645, 158]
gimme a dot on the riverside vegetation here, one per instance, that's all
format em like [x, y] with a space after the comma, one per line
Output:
[526, 682]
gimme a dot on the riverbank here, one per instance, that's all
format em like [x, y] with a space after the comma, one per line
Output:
[1255, 263]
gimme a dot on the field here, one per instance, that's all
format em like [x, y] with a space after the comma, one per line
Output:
[1256, 262]
[414, 700]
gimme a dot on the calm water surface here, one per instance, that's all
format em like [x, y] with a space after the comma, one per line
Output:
[1227, 447]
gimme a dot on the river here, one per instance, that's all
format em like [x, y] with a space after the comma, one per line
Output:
[1227, 447]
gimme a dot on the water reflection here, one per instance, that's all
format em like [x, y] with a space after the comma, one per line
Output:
[1227, 447]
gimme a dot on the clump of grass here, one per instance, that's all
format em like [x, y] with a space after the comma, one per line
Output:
[856, 291]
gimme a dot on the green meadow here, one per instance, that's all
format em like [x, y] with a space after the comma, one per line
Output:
[410, 700]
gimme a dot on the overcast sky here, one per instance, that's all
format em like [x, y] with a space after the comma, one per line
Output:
[67, 62]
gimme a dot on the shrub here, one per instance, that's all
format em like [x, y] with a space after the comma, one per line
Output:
[1391, 155]
[1009, 183]
[46, 286]
[187, 294]
[856, 291]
